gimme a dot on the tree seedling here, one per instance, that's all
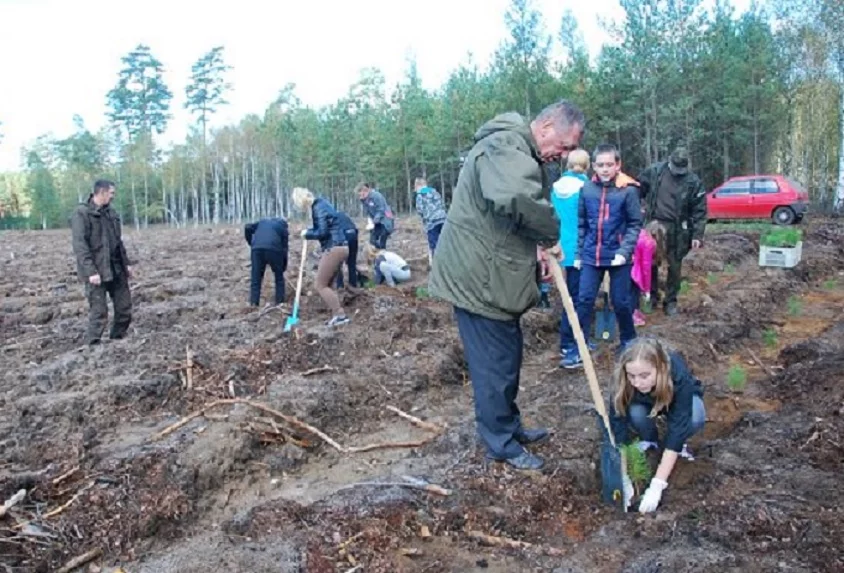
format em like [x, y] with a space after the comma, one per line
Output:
[685, 287]
[422, 292]
[830, 284]
[638, 468]
[736, 378]
[730, 269]
[769, 337]
[711, 278]
[795, 305]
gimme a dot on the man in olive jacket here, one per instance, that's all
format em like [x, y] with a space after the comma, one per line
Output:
[486, 261]
[102, 263]
[674, 196]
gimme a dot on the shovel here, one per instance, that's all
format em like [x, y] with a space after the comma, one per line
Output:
[604, 317]
[293, 319]
[612, 460]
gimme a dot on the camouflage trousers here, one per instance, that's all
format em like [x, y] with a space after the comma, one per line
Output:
[677, 246]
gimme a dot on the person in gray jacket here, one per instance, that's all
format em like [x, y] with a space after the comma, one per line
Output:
[381, 220]
[390, 268]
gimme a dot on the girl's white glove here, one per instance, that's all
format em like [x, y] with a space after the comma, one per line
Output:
[577, 264]
[618, 261]
[653, 494]
[629, 492]
[370, 224]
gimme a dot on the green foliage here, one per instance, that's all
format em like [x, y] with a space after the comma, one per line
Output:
[421, 292]
[140, 102]
[795, 305]
[736, 378]
[711, 278]
[781, 237]
[769, 337]
[685, 287]
[638, 467]
[830, 284]
[730, 269]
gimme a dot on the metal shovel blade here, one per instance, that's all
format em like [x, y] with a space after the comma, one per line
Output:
[612, 486]
[292, 320]
[605, 321]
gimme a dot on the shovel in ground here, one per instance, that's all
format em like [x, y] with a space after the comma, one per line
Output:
[612, 460]
[293, 319]
[604, 316]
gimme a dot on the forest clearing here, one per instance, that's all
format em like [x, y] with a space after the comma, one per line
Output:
[88, 431]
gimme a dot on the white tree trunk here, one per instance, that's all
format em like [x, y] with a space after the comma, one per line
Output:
[839, 195]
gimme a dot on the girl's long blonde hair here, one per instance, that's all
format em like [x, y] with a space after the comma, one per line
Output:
[654, 352]
[302, 198]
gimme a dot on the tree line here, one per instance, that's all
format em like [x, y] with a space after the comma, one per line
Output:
[754, 92]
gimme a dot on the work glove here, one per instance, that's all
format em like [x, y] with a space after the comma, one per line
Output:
[645, 446]
[647, 296]
[629, 492]
[618, 260]
[576, 264]
[370, 224]
[304, 232]
[653, 494]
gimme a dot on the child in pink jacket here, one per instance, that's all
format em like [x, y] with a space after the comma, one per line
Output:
[643, 262]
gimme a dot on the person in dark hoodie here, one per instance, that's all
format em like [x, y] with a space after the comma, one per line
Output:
[335, 248]
[609, 220]
[485, 264]
[269, 241]
[651, 381]
[102, 263]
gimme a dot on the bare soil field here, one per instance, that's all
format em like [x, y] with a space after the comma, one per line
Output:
[246, 485]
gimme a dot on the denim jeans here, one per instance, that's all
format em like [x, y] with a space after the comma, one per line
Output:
[590, 284]
[645, 427]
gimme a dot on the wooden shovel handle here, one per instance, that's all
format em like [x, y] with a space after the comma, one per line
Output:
[301, 273]
[588, 365]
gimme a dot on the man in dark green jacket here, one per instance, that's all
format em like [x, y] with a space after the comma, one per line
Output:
[674, 196]
[102, 263]
[486, 261]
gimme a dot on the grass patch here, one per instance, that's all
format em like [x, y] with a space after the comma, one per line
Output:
[830, 284]
[685, 287]
[739, 227]
[795, 305]
[422, 292]
[769, 337]
[737, 378]
[781, 237]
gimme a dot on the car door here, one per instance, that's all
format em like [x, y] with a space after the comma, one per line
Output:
[731, 201]
[765, 197]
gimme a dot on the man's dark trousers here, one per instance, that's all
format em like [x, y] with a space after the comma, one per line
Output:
[378, 236]
[676, 249]
[121, 298]
[434, 236]
[590, 283]
[277, 261]
[493, 350]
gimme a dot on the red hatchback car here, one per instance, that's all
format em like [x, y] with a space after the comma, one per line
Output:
[759, 197]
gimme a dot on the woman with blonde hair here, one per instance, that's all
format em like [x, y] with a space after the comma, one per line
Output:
[653, 380]
[330, 232]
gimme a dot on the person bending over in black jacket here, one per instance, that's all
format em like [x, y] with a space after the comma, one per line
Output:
[269, 241]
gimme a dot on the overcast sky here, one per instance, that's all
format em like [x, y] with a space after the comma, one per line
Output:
[60, 57]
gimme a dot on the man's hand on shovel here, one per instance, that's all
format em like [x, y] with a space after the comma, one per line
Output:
[557, 252]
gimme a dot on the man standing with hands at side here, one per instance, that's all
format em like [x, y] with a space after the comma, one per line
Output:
[102, 263]
[486, 261]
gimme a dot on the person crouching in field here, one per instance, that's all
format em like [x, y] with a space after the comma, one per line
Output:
[653, 380]
[269, 241]
[390, 268]
[331, 235]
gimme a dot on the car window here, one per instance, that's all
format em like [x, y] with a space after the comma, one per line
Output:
[735, 188]
[764, 186]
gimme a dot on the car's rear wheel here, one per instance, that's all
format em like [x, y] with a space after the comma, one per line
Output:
[783, 216]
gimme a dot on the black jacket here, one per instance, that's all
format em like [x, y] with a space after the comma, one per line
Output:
[327, 228]
[268, 234]
[678, 414]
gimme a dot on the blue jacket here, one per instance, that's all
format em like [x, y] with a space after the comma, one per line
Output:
[378, 210]
[565, 196]
[678, 414]
[268, 234]
[327, 229]
[609, 220]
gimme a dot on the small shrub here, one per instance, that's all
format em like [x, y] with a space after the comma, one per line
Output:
[736, 378]
[795, 305]
[638, 468]
[685, 287]
[769, 337]
[830, 284]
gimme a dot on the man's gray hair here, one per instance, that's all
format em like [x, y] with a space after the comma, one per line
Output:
[563, 113]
